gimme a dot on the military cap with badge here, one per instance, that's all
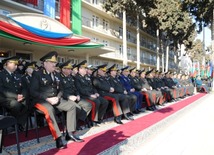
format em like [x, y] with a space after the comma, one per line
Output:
[82, 64]
[149, 71]
[13, 59]
[112, 68]
[102, 67]
[31, 65]
[66, 65]
[125, 69]
[133, 69]
[50, 57]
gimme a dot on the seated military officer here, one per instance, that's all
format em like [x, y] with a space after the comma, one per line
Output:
[125, 80]
[106, 90]
[87, 91]
[26, 81]
[46, 92]
[12, 93]
[121, 92]
[71, 93]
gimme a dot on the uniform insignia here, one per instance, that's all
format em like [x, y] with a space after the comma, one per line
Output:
[56, 78]
[7, 80]
[44, 80]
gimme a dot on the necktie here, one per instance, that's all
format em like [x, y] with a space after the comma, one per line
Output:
[12, 75]
[52, 76]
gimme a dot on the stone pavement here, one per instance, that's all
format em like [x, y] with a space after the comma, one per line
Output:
[190, 134]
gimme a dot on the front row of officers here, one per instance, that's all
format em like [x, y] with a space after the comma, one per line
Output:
[84, 95]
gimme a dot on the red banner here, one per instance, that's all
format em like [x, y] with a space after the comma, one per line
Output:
[65, 12]
[34, 2]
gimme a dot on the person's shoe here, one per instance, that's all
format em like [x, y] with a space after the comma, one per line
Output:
[72, 137]
[128, 117]
[118, 120]
[98, 122]
[59, 143]
[131, 114]
[154, 107]
[149, 108]
[89, 124]
[95, 124]
[21, 128]
[141, 110]
[136, 112]
[80, 128]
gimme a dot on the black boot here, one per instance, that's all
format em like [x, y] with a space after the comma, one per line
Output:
[128, 117]
[72, 137]
[118, 120]
[59, 143]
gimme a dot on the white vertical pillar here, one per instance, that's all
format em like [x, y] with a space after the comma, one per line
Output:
[138, 43]
[157, 50]
[125, 61]
[87, 58]
[167, 57]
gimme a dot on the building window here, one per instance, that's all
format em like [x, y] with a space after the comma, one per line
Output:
[121, 49]
[94, 1]
[74, 61]
[25, 56]
[96, 62]
[105, 25]
[120, 32]
[95, 39]
[129, 51]
[95, 21]
[4, 54]
[105, 42]
[60, 59]
[128, 34]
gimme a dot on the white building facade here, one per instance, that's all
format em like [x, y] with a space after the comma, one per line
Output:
[100, 27]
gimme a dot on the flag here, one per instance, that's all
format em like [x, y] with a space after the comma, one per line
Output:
[49, 8]
[65, 11]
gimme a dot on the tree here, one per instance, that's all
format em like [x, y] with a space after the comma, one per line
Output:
[196, 52]
[201, 10]
[176, 23]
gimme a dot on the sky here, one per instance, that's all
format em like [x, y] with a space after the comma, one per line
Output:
[207, 37]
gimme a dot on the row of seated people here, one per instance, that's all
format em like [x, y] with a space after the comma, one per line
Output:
[83, 93]
[202, 85]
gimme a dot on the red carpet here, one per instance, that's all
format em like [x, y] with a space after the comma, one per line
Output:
[104, 140]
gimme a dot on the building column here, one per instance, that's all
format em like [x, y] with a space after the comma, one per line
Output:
[125, 61]
[138, 43]
[157, 49]
[87, 58]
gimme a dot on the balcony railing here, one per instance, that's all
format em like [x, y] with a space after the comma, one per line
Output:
[148, 61]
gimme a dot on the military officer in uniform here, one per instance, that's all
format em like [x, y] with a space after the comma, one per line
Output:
[119, 102]
[119, 89]
[152, 82]
[146, 89]
[87, 91]
[26, 81]
[46, 92]
[135, 83]
[71, 93]
[170, 86]
[12, 92]
[125, 80]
